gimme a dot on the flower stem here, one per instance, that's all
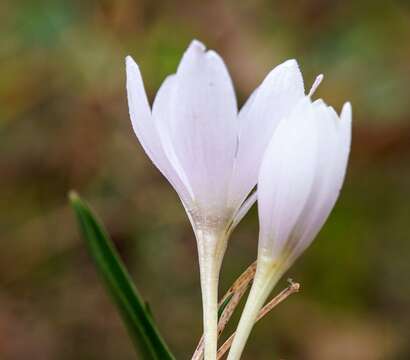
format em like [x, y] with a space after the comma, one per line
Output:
[291, 289]
[211, 249]
[266, 277]
[233, 295]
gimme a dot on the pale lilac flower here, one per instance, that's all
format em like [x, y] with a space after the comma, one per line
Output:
[299, 182]
[208, 151]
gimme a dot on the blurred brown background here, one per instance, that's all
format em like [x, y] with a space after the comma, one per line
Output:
[64, 125]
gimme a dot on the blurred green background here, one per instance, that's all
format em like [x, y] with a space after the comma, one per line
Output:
[64, 124]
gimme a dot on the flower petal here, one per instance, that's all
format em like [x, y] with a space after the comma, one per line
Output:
[139, 109]
[273, 100]
[161, 109]
[286, 177]
[203, 127]
[145, 130]
[332, 158]
[346, 126]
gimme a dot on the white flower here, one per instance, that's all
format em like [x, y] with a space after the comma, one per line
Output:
[301, 177]
[210, 153]
[299, 182]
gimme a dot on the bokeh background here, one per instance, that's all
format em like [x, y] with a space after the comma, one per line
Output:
[64, 125]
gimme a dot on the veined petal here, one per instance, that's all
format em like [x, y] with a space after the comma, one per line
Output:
[273, 100]
[203, 127]
[286, 177]
[145, 130]
[140, 111]
[334, 145]
[315, 213]
[161, 111]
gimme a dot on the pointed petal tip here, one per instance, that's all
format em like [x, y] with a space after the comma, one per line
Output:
[288, 68]
[130, 63]
[347, 106]
[212, 54]
[195, 50]
[129, 59]
[346, 111]
[290, 63]
[197, 45]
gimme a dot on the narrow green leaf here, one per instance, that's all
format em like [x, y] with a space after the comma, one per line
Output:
[149, 310]
[131, 307]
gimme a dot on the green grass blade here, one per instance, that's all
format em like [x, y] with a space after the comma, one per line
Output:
[131, 307]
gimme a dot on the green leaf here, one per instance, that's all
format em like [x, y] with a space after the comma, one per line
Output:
[149, 310]
[131, 307]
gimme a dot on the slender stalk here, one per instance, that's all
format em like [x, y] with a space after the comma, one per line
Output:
[267, 275]
[211, 249]
[291, 289]
[236, 292]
